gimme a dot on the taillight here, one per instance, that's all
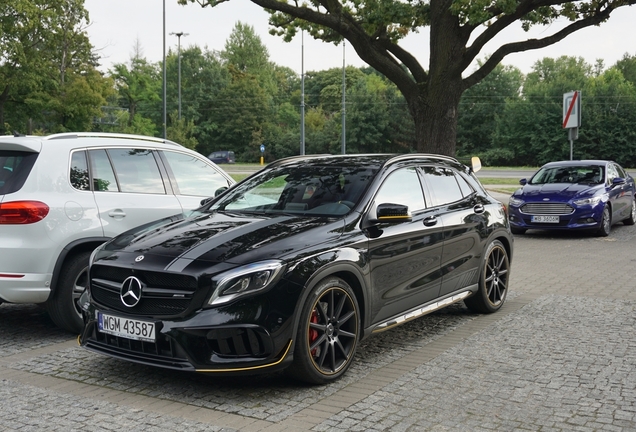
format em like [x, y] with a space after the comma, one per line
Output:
[22, 212]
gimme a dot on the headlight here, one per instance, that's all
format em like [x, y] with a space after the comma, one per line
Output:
[245, 280]
[587, 201]
[516, 202]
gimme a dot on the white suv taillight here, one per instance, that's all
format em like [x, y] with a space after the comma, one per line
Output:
[22, 212]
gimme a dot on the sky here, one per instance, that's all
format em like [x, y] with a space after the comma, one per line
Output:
[118, 25]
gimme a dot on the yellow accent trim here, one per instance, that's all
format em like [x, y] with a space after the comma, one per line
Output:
[78, 339]
[251, 367]
[393, 217]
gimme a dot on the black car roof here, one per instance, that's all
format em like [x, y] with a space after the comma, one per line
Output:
[576, 162]
[372, 160]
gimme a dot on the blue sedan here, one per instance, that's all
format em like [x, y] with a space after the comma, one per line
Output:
[574, 195]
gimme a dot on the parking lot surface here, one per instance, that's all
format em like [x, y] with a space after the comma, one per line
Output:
[560, 355]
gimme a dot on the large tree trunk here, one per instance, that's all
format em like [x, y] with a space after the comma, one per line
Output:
[434, 108]
[435, 117]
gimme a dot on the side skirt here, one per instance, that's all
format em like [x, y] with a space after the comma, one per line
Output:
[421, 311]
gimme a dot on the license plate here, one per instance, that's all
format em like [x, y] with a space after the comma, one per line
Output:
[545, 219]
[126, 328]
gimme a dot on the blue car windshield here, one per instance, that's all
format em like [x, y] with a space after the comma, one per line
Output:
[588, 174]
[308, 190]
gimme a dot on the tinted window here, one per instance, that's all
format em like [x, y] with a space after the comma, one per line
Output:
[311, 190]
[193, 175]
[15, 167]
[103, 175]
[402, 187]
[568, 174]
[442, 185]
[463, 185]
[137, 171]
[79, 171]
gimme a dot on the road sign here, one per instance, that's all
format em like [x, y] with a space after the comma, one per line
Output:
[572, 109]
[262, 148]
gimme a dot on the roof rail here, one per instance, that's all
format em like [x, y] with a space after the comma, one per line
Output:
[67, 135]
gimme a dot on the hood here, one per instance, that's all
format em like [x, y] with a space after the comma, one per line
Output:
[559, 192]
[210, 238]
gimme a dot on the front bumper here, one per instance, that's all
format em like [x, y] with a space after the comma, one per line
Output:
[580, 219]
[210, 340]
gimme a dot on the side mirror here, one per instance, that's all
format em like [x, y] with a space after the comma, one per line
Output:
[220, 190]
[476, 163]
[618, 181]
[393, 213]
[523, 182]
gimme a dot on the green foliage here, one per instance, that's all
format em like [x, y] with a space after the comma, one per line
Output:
[181, 131]
[480, 107]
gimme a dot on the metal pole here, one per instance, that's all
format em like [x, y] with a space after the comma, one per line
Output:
[164, 69]
[344, 84]
[179, 59]
[302, 93]
[178, 35]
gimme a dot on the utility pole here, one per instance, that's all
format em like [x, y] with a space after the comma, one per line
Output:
[302, 92]
[164, 69]
[344, 85]
[178, 35]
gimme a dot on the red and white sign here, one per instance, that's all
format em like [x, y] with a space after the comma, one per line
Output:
[572, 109]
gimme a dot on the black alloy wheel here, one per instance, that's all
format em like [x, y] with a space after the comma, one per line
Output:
[631, 220]
[328, 333]
[606, 223]
[493, 280]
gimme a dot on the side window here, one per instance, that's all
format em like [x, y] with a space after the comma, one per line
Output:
[463, 185]
[442, 185]
[402, 187]
[79, 171]
[103, 175]
[611, 173]
[620, 171]
[193, 175]
[137, 171]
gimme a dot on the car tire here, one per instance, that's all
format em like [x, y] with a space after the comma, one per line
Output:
[631, 220]
[493, 280]
[606, 223]
[73, 281]
[517, 231]
[328, 333]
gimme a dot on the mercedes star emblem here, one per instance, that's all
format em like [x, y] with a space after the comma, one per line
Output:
[130, 292]
[139, 258]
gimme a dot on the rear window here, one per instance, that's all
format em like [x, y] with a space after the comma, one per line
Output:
[15, 167]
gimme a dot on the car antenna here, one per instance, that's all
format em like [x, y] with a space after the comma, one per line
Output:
[18, 134]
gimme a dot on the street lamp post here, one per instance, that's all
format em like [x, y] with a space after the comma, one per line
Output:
[164, 69]
[178, 35]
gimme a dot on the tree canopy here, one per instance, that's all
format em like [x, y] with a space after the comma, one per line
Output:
[459, 30]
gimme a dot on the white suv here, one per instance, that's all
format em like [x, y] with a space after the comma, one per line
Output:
[63, 195]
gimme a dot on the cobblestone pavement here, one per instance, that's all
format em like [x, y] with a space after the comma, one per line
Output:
[560, 355]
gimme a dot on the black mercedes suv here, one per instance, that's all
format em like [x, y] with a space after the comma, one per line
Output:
[296, 264]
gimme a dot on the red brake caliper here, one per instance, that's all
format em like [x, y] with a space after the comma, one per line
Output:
[313, 334]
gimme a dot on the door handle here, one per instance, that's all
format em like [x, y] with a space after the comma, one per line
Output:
[117, 213]
[430, 221]
[479, 209]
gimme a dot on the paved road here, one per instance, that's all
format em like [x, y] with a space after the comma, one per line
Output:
[560, 355]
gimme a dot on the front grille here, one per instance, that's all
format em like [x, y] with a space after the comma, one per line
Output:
[164, 352]
[547, 209]
[163, 294]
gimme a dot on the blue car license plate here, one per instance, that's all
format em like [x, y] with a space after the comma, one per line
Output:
[545, 219]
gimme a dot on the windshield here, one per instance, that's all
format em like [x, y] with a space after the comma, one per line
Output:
[588, 174]
[304, 190]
